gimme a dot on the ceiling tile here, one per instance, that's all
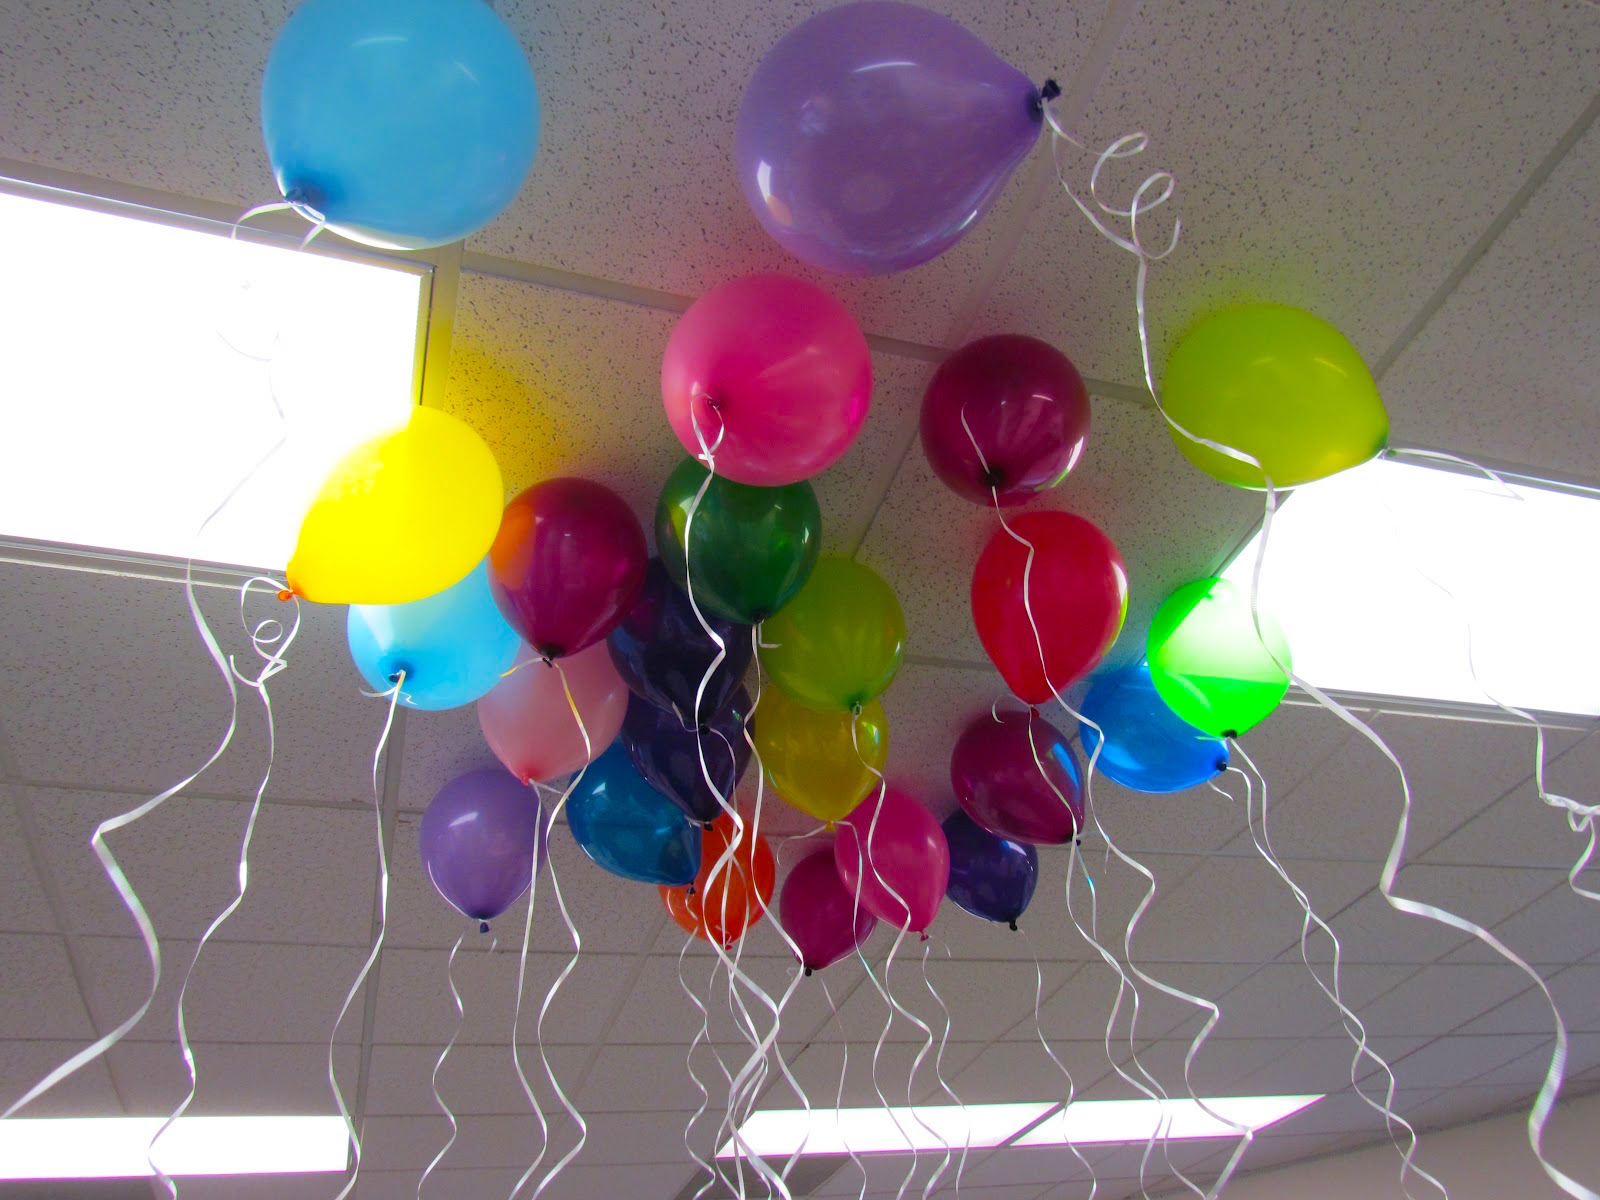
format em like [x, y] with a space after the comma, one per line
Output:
[261, 1187]
[87, 1092]
[1080, 1009]
[657, 1010]
[38, 996]
[1023, 1070]
[439, 746]
[233, 1077]
[640, 1079]
[817, 1071]
[482, 1141]
[1322, 1064]
[1282, 1000]
[1456, 1059]
[378, 1184]
[23, 908]
[474, 1079]
[1442, 997]
[1049, 1164]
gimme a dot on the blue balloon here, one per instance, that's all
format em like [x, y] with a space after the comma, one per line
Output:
[1148, 747]
[402, 123]
[453, 646]
[628, 827]
[991, 877]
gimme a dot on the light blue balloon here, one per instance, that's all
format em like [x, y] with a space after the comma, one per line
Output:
[1148, 747]
[628, 827]
[453, 646]
[403, 123]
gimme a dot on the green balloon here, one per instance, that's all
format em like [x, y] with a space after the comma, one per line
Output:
[1208, 662]
[753, 546]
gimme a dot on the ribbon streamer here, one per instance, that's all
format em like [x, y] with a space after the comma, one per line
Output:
[1072, 1089]
[944, 1086]
[703, 1034]
[433, 1082]
[838, 1099]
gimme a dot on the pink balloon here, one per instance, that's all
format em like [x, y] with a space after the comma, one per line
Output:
[529, 725]
[996, 772]
[905, 855]
[820, 913]
[778, 368]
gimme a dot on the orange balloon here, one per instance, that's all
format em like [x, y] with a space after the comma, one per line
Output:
[724, 908]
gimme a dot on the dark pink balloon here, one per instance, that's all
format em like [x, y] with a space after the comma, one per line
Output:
[775, 367]
[900, 862]
[1016, 776]
[820, 914]
[567, 564]
[1028, 411]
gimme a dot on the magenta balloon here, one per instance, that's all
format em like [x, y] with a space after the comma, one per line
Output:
[1027, 409]
[480, 838]
[820, 914]
[1016, 777]
[905, 854]
[567, 564]
[529, 725]
[778, 369]
[873, 135]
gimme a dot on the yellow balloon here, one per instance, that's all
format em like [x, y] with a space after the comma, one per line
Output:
[402, 517]
[810, 759]
[1281, 385]
[839, 642]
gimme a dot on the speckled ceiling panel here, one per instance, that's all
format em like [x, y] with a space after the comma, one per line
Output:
[563, 384]
[1341, 159]
[1515, 380]
[1170, 522]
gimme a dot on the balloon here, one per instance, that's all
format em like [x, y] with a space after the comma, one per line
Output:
[775, 368]
[873, 135]
[480, 838]
[662, 653]
[1281, 385]
[452, 647]
[753, 546]
[1026, 407]
[401, 517]
[811, 758]
[628, 827]
[1209, 663]
[839, 642]
[722, 909]
[820, 914]
[668, 755]
[1015, 775]
[402, 123]
[567, 564]
[899, 863]
[1147, 747]
[1078, 591]
[991, 877]
[529, 725]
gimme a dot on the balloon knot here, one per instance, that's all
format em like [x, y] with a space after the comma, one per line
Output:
[855, 710]
[993, 477]
[483, 927]
[548, 654]
[1013, 925]
[691, 890]
[286, 593]
[1222, 763]
[1048, 91]
[808, 972]
[924, 936]
[1230, 733]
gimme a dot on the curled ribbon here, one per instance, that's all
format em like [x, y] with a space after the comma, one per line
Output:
[944, 1086]
[1072, 1089]
[433, 1080]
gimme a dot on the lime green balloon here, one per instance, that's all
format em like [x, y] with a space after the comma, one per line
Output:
[754, 547]
[839, 642]
[1209, 664]
[1281, 385]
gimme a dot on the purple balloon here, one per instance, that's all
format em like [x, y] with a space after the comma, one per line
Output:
[991, 877]
[1015, 775]
[875, 134]
[668, 755]
[820, 914]
[662, 653]
[480, 837]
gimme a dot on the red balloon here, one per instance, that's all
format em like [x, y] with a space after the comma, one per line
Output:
[1079, 596]
[1015, 775]
[567, 564]
[1026, 407]
[896, 854]
[820, 914]
[724, 908]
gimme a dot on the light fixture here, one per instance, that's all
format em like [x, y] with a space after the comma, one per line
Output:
[776, 1132]
[115, 1147]
[1091, 1122]
[1378, 573]
[147, 357]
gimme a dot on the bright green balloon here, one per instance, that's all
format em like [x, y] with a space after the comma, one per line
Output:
[839, 643]
[1281, 385]
[753, 546]
[1208, 663]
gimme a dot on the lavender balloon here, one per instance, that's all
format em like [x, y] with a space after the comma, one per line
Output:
[991, 877]
[875, 134]
[480, 838]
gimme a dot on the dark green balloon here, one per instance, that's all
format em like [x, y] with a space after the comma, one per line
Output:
[753, 546]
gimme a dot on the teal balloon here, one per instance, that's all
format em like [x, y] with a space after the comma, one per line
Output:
[453, 646]
[403, 123]
[1148, 747]
[628, 827]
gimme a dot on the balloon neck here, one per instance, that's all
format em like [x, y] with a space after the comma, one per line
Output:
[690, 890]
[548, 654]
[1048, 90]
[924, 936]
[993, 477]
[1013, 925]
[401, 671]
[1230, 734]
[308, 201]
[1222, 763]
[483, 927]
[808, 972]
[287, 593]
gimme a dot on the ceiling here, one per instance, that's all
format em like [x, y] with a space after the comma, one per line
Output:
[1423, 175]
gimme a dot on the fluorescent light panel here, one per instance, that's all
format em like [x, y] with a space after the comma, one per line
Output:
[127, 409]
[115, 1147]
[1345, 576]
[779, 1132]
